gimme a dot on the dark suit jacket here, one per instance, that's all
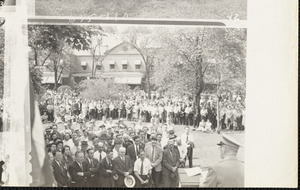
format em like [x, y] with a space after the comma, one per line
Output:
[106, 179]
[127, 144]
[121, 167]
[91, 180]
[60, 174]
[68, 161]
[131, 152]
[170, 161]
[80, 181]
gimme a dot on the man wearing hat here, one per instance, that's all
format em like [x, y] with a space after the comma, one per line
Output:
[173, 138]
[230, 171]
[171, 160]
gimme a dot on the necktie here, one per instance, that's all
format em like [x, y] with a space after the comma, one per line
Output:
[81, 166]
[187, 138]
[92, 163]
[61, 166]
[171, 153]
[100, 158]
[142, 165]
[152, 154]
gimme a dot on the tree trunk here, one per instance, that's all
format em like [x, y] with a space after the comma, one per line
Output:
[35, 57]
[55, 75]
[93, 64]
[148, 70]
[148, 86]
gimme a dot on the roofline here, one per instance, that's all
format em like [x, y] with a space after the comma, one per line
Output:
[108, 52]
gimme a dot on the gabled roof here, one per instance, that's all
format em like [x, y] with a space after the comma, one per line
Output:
[117, 46]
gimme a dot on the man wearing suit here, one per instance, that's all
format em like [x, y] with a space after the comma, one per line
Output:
[230, 171]
[170, 165]
[91, 163]
[60, 170]
[79, 172]
[123, 166]
[67, 158]
[134, 150]
[187, 140]
[100, 153]
[106, 170]
[154, 154]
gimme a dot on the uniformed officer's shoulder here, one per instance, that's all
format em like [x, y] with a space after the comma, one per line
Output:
[227, 161]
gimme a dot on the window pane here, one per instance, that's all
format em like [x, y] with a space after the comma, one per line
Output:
[137, 67]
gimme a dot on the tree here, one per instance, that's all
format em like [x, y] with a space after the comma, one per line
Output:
[95, 51]
[193, 57]
[144, 41]
[97, 89]
[54, 42]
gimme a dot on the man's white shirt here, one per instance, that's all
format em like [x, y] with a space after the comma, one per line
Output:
[146, 166]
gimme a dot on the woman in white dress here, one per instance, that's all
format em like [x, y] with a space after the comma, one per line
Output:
[208, 125]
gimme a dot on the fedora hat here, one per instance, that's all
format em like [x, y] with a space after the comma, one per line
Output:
[129, 181]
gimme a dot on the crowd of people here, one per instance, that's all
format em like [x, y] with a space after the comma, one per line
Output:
[67, 106]
[99, 154]
[109, 143]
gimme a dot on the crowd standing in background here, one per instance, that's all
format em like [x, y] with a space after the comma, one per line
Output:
[105, 143]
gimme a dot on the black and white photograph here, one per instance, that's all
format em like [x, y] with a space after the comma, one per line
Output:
[115, 97]
[158, 9]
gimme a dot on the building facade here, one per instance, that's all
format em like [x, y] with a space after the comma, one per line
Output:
[123, 63]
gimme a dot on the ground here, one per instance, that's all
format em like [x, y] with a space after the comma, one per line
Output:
[206, 151]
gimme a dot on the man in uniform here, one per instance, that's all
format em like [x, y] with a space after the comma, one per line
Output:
[230, 171]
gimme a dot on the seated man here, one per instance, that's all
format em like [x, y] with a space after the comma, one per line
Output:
[142, 170]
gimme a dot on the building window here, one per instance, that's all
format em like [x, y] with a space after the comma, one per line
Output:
[84, 65]
[124, 64]
[124, 67]
[112, 64]
[137, 64]
[137, 67]
[98, 67]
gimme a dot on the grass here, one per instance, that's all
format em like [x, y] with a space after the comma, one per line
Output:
[180, 9]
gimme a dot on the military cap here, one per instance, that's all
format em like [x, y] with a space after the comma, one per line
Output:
[229, 141]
